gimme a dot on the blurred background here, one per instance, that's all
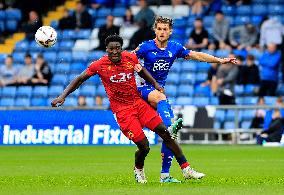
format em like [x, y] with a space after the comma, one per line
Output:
[235, 104]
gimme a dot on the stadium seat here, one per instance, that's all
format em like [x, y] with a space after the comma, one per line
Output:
[202, 66]
[180, 11]
[171, 90]
[22, 46]
[241, 20]
[250, 100]
[239, 90]
[103, 12]
[2, 26]
[106, 102]
[118, 11]
[200, 101]
[185, 90]
[7, 102]
[55, 90]
[75, 93]
[79, 56]
[64, 56]
[2, 15]
[94, 80]
[280, 89]
[88, 90]
[13, 14]
[100, 22]
[68, 35]
[176, 67]
[40, 102]
[180, 23]
[2, 58]
[245, 124]
[77, 67]
[82, 34]
[70, 101]
[101, 91]
[250, 89]
[200, 77]
[90, 101]
[128, 31]
[49, 56]
[217, 125]
[35, 47]
[178, 33]
[200, 91]
[24, 91]
[220, 115]
[59, 79]
[222, 53]
[40, 91]
[243, 10]
[95, 55]
[228, 10]
[188, 66]
[256, 20]
[230, 115]
[165, 10]
[18, 57]
[214, 101]
[8, 92]
[66, 45]
[54, 24]
[173, 78]
[270, 100]
[23, 102]
[183, 101]
[228, 125]
[61, 68]
[82, 45]
[186, 78]
[207, 20]
[239, 100]
[259, 10]
[11, 25]
[246, 115]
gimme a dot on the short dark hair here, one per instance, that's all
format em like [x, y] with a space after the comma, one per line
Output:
[219, 12]
[28, 55]
[9, 56]
[164, 20]
[113, 38]
[198, 18]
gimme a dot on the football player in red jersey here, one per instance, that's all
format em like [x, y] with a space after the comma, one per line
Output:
[116, 70]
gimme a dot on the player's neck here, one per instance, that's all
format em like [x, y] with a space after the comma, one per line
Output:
[161, 44]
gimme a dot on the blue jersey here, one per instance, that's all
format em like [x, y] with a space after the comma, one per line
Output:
[159, 61]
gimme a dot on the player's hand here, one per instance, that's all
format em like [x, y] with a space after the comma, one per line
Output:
[57, 102]
[228, 60]
[137, 67]
[159, 88]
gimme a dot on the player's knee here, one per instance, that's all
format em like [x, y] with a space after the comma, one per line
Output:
[155, 97]
[162, 131]
[145, 150]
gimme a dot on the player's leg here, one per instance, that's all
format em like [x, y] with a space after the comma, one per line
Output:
[132, 129]
[187, 171]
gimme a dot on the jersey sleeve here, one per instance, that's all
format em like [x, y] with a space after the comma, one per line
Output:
[134, 58]
[140, 50]
[181, 51]
[93, 68]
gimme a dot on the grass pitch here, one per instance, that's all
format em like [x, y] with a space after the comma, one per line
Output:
[109, 170]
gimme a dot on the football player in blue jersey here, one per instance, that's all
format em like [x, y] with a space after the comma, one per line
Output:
[158, 55]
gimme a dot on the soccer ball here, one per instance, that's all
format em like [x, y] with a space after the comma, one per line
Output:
[46, 36]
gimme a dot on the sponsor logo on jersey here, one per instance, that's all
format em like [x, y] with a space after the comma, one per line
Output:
[161, 65]
[129, 66]
[121, 77]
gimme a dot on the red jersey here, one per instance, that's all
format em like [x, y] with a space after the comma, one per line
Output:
[118, 79]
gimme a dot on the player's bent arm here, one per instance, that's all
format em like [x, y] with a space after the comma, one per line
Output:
[204, 57]
[148, 77]
[74, 84]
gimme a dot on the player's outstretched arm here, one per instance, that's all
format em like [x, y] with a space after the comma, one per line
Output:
[143, 72]
[204, 57]
[74, 84]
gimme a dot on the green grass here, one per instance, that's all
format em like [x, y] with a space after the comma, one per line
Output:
[109, 170]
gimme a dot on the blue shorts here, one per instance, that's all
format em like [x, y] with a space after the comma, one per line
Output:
[146, 89]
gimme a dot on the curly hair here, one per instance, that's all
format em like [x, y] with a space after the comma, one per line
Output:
[164, 20]
[114, 38]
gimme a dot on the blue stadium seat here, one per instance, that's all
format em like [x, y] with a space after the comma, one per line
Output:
[23, 102]
[245, 124]
[211, 52]
[100, 22]
[228, 10]
[66, 45]
[35, 47]
[207, 21]
[200, 91]
[2, 26]
[239, 90]
[79, 56]
[230, 115]
[241, 20]
[250, 89]
[183, 101]
[7, 102]
[88, 90]
[64, 56]
[75, 93]
[280, 89]
[222, 53]
[2, 15]
[83, 34]
[55, 90]
[256, 53]
[11, 25]
[173, 78]
[59, 79]
[180, 23]
[270, 100]
[54, 24]
[228, 125]
[259, 9]
[40, 91]
[176, 67]
[239, 100]
[93, 13]
[250, 100]
[106, 101]
[188, 66]
[246, 115]
[40, 102]
[214, 101]
[68, 34]
[90, 101]
[243, 10]
[70, 101]
[185, 90]
[186, 78]
[202, 66]
[62, 68]
[94, 80]
[77, 67]
[275, 9]
[24, 91]
[22, 46]
[200, 77]
[13, 14]
[2, 58]
[178, 33]
[8, 91]
[217, 125]
[171, 90]
[101, 91]
[18, 57]
[118, 11]
[95, 55]
[50, 56]
[220, 115]
[200, 101]
[172, 100]
[256, 20]
[103, 12]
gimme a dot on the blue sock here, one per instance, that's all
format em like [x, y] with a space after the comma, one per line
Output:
[167, 155]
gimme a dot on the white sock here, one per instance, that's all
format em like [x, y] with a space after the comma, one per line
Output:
[165, 175]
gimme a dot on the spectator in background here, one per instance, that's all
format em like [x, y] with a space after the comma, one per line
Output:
[81, 102]
[42, 75]
[220, 30]
[271, 31]
[258, 119]
[198, 38]
[250, 71]
[145, 13]
[142, 34]
[99, 101]
[269, 63]
[211, 78]
[108, 29]
[226, 80]
[7, 72]
[96, 4]
[26, 72]
[32, 25]
[2, 5]
[128, 18]
[238, 2]
[240, 65]
[243, 37]
[67, 21]
[81, 16]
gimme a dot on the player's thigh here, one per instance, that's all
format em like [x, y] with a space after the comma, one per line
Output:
[148, 117]
[151, 95]
[130, 125]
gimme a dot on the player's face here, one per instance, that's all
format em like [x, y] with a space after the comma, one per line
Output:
[114, 51]
[163, 32]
